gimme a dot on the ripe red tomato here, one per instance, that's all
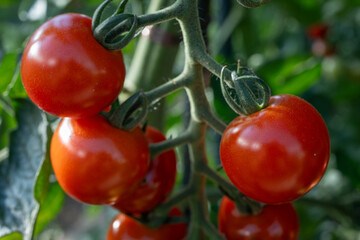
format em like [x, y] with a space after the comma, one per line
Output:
[278, 154]
[274, 222]
[97, 163]
[159, 180]
[66, 72]
[124, 227]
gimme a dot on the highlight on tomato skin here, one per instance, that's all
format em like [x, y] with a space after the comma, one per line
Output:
[278, 154]
[158, 183]
[66, 72]
[96, 163]
[274, 222]
[123, 227]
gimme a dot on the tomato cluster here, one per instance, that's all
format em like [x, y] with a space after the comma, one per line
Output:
[67, 73]
[273, 156]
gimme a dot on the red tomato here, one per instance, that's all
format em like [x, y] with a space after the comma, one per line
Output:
[278, 154]
[66, 72]
[97, 163]
[274, 222]
[126, 228]
[158, 183]
[317, 31]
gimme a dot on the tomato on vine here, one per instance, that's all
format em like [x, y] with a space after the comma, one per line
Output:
[278, 154]
[124, 227]
[158, 183]
[96, 163]
[274, 222]
[66, 72]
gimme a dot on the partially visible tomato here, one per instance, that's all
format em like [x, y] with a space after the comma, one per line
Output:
[66, 72]
[96, 163]
[278, 154]
[317, 31]
[158, 183]
[126, 228]
[274, 222]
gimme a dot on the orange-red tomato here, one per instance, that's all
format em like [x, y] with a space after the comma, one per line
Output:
[126, 228]
[274, 222]
[96, 163]
[278, 154]
[158, 183]
[66, 72]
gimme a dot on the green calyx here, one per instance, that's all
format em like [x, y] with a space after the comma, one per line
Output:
[115, 32]
[246, 93]
[131, 113]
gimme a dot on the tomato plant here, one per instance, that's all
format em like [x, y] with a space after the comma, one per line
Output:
[124, 227]
[158, 182]
[275, 154]
[96, 163]
[274, 222]
[66, 72]
[278, 154]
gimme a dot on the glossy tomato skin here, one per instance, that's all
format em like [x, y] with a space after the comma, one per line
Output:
[96, 163]
[274, 222]
[66, 72]
[278, 154]
[123, 227]
[158, 183]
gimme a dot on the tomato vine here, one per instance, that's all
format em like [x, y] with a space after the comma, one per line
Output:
[191, 79]
[252, 95]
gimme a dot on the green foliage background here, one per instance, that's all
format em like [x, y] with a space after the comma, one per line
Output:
[271, 39]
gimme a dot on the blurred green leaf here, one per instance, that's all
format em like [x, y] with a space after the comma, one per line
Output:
[7, 124]
[15, 88]
[13, 236]
[6, 3]
[50, 207]
[305, 11]
[292, 75]
[28, 155]
[7, 69]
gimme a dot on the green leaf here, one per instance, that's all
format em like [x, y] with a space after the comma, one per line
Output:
[13, 236]
[20, 188]
[15, 88]
[7, 69]
[292, 75]
[50, 207]
[7, 124]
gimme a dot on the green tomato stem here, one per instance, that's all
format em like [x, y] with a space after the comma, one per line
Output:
[157, 148]
[172, 85]
[243, 203]
[171, 12]
[191, 79]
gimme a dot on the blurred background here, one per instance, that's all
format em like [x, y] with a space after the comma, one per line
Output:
[310, 48]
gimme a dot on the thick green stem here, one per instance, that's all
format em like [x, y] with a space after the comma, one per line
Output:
[200, 108]
[196, 57]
